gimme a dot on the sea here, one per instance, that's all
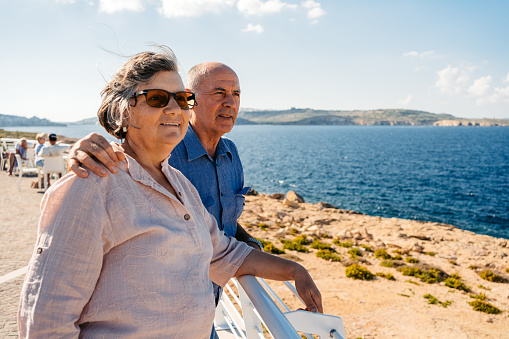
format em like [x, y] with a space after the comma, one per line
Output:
[452, 175]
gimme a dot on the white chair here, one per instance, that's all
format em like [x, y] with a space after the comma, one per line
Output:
[8, 146]
[52, 165]
[24, 168]
[31, 156]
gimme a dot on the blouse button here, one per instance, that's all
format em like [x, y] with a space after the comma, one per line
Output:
[187, 217]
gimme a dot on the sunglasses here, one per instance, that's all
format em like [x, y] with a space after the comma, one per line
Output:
[160, 98]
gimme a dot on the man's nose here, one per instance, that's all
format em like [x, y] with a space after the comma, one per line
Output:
[229, 100]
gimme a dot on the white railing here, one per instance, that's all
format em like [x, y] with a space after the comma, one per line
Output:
[261, 305]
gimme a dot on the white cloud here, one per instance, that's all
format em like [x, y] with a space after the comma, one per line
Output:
[65, 1]
[253, 28]
[506, 78]
[315, 9]
[258, 7]
[480, 86]
[112, 6]
[417, 54]
[499, 95]
[193, 8]
[406, 101]
[452, 80]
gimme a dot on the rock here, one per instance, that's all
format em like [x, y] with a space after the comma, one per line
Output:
[420, 237]
[292, 196]
[380, 244]
[417, 248]
[277, 196]
[322, 204]
[365, 234]
[280, 233]
[291, 203]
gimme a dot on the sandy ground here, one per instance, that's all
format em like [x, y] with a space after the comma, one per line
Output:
[379, 308]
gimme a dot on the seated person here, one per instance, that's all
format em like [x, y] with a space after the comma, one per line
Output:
[51, 150]
[41, 139]
[21, 149]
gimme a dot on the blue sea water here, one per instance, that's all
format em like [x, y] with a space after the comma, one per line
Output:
[453, 175]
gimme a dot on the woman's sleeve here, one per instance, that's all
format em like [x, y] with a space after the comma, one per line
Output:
[228, 253]
[66, 261]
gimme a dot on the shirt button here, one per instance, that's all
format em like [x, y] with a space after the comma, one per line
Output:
[187, 217]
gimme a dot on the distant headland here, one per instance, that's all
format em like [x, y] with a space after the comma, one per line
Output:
[308, 116]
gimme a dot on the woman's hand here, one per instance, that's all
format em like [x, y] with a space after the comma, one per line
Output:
[308, 291]
[96, 153]
[269, 266]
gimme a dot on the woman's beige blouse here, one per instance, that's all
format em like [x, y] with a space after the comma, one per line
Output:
[120, 257]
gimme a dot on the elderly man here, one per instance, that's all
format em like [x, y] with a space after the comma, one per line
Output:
[208, 160]
[21, 149]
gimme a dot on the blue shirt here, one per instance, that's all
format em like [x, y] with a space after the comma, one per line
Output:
[219, 180]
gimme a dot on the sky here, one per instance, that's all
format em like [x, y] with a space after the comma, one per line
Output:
[440, 56]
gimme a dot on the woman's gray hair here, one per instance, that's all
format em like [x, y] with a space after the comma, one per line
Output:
[115, 109]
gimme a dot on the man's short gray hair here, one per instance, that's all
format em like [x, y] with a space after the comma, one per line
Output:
[140, 69]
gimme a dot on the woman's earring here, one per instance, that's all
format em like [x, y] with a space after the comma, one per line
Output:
[124, 129]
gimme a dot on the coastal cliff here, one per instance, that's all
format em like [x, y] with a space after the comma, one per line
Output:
[421, 279]
[379, 117]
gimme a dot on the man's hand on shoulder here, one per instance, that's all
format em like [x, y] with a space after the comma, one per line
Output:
[96, 153]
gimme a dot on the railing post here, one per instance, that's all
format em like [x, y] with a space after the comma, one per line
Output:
[276, 322]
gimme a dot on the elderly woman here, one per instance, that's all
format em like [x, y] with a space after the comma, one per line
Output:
[132, 255]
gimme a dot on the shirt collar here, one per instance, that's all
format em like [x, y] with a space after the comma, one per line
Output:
[195, 148]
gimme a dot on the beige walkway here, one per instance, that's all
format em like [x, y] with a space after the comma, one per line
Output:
[19, 215]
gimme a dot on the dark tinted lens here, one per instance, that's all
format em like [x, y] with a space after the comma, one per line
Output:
[181, 99]
[157, 98]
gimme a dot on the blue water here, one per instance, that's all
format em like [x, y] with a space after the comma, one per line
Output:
[453, 175]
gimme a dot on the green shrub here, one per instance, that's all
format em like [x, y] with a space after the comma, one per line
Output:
[507, 270]
[412, 260]
[388, 276]
[318, 245]
[432, 254]
[429, 276]
[382, 254]
[358, 272]
[355, 252]
[472, 267]
[328, 255]
[301, 240]
[387, 263]
[367, 248]
[456, 284]
[294, 231]
[480, 296]
[397, 257]
[263, 226]
[270, 248]
[485, 307]
[433, 300]
[264, 242]
[342, 244]
[490, 276]
[297, 244]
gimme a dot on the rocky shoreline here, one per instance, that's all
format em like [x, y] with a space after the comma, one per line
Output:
[389, 305]
[427, 279]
